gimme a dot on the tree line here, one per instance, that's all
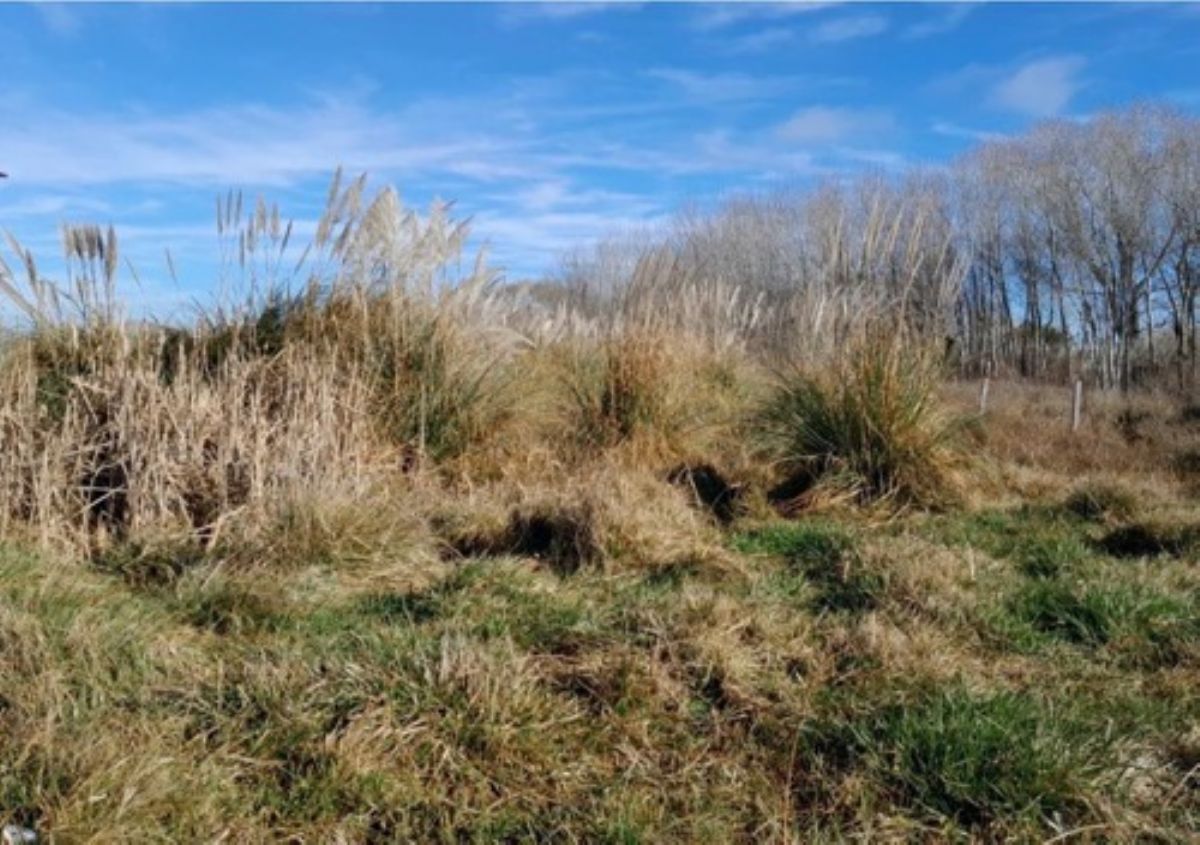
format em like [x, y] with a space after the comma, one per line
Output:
[1069, 251]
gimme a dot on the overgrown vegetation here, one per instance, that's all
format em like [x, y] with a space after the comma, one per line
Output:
[873, 426]
[386, 552]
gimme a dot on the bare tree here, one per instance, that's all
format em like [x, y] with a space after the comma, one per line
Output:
[1091, 222]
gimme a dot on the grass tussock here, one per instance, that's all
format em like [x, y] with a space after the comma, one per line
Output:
[966, 758]
[872, 425]
[655, 397]
[374, 364]
[1101, 503]
[623, 391]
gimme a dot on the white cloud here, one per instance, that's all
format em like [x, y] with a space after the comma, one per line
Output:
[953, 130]
[765, 157]
[246, 145]
[884, 159]
[1041, 88]
[721, 15]
[60, 18]
[967, 78]
[518, 14]
[848, 28]
[761, 41]
[53, 205]
[721, 87]
[702, 88]
[523, 172]
[826, 124]
[942, 21]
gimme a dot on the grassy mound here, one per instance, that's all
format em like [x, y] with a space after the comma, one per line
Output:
[873, 425]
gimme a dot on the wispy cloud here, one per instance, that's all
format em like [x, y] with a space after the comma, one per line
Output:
[969, 78]
[53, 205]
[717, 16]
[827, 124]
[761, 41]
[848, 28]
[941, 21]
[528, 179]
[61, 19]
[833, 31]
[702, 87]
[875, 158]
[518, 14]
[534, 225]
[1041, 88]
[752, 155]
[954, 130]
[243, 144]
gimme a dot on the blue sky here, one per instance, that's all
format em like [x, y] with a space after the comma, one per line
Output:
[550, 124]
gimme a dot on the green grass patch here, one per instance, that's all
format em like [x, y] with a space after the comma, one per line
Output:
[1041, 542]
[953, 755]
[231, 608]
[820, 556]
[494, 599]
[1135, 624]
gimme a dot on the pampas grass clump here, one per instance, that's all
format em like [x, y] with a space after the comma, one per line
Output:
[871, 423]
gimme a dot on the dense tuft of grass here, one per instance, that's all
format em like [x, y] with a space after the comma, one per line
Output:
[1101, 503]
[1135, 624]
[1054, 608]
[972, 759]
[873, 425]
[1040, 541]
[623, 392]
[822, 556]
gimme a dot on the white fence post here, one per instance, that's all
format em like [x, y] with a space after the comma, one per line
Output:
[1077, 405]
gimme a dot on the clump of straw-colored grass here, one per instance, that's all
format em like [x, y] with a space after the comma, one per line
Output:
[367, 360]
[871, 423]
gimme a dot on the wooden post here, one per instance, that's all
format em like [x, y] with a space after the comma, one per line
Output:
[1077, 405]
[983, 395]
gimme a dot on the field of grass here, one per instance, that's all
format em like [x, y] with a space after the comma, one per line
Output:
[1003, 672]
[382, 562]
